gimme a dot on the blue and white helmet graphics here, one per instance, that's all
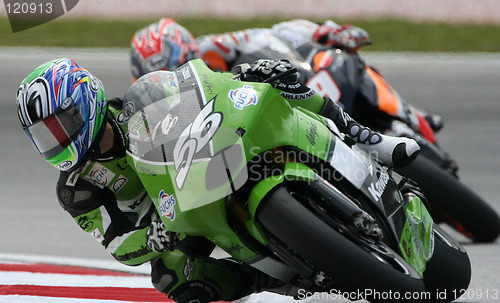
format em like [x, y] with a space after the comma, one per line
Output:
[61, 107]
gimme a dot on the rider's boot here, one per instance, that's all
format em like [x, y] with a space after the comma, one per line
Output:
[388, 150]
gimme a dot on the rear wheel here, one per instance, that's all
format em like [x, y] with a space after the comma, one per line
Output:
[356, 265]
[452, 202]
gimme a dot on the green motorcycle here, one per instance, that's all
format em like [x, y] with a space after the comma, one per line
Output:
[280, 189]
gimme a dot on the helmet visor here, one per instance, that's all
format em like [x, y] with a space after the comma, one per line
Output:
[56, 132]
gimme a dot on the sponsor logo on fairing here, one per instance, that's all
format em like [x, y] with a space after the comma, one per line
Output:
[185, 73]
[243, 97]
[208, 85]
[377, 189]
[172, 80]
[312, 133]
[234, 247]
[166, 205]
[299, 96]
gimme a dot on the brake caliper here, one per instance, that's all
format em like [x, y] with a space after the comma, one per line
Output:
[366, 225]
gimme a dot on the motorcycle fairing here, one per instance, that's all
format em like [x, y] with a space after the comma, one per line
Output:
[199, 159]
[417, 240]
[380, 94]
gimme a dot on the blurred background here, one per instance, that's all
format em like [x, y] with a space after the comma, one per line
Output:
[408, 25]
[482, 11]
[443, 56]
[413, 42]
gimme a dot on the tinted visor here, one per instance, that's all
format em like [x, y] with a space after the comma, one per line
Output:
[56, 132]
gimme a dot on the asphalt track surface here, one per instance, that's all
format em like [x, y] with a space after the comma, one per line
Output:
[464, 89]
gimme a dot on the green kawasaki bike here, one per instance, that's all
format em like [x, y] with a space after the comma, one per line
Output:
[282, 190]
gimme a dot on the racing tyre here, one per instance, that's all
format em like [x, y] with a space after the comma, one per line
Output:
[452, 202]
[356, 266]
[448, 273]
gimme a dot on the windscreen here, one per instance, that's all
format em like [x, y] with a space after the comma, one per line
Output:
[172, 129]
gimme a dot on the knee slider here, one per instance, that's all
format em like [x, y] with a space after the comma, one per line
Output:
[162, 278]
[194, 284]
[194, 291]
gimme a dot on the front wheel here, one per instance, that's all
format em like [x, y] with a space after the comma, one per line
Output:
[448, 273]
[371, 271]
[452, 202]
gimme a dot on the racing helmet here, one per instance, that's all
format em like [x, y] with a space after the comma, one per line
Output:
[164, 45]
[62, 108]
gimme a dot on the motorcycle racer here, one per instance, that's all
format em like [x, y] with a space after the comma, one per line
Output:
[311, 47]
[64, 111]
[162, 45]
[328, 61]
[151, 49]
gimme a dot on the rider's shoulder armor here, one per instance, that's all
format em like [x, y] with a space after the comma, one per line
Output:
[115, 175]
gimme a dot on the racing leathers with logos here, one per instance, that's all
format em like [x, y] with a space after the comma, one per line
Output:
[328, 62]
[64, 112]
[105, 197]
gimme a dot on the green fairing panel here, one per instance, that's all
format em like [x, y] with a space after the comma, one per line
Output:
[417, 241]
[192, 134]
[294, 171]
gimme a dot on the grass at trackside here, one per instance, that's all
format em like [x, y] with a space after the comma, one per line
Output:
[387, 35]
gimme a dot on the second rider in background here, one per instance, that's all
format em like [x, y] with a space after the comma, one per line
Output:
[325, 55]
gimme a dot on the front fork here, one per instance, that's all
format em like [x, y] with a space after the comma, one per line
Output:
[332, 200]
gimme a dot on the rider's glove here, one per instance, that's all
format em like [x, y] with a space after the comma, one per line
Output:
[159, 238]
[435, 121]
[264, 70]
[346, 37]
[279, 73]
